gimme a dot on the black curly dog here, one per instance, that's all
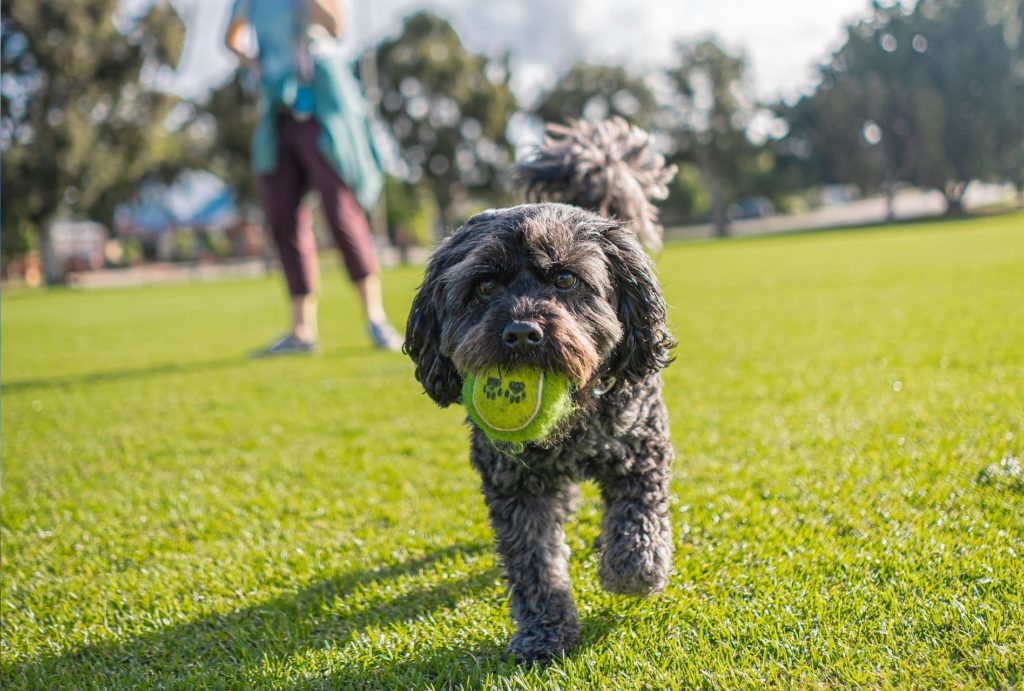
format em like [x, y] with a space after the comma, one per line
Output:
[566, 290]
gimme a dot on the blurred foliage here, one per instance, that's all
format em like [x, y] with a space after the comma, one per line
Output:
[83, 120]
[932, 96]
[229, 115]
[707, 118]
[18, 237]
[412, 212]
[596, 92]
[131, 251]
[700, 110]
[447, 109]
[688, 198]
[1010, 161]
[183, 245]
[216, 243]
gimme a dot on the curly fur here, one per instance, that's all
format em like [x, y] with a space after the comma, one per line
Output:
[609, 330]
[609, 167]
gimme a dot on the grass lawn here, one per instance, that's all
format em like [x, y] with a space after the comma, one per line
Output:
[175, 514]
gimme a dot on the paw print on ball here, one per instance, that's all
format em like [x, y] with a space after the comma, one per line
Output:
[516, 392]
[492, 389]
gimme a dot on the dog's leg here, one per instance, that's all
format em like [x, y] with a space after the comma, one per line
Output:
[636, 535]
[530, 540]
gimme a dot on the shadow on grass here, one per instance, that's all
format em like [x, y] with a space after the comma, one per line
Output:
[230, 649]
[171, 368]
[237, 649]
[477, 666]
[124, 374]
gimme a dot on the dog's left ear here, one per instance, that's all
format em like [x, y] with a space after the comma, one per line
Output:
[646, 341]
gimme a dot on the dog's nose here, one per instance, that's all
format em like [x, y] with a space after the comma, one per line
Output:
[522, 336]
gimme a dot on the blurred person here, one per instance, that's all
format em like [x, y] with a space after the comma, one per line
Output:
[313, 132]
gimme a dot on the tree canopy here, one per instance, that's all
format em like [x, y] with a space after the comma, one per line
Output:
[597, 92]
[930, 96]
[708, 117]
[83, 121]
[447, 108]
[230, 114]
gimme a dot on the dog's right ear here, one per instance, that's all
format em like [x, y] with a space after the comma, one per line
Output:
[434, 371]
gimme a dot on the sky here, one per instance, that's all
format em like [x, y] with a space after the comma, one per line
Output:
[781, 40]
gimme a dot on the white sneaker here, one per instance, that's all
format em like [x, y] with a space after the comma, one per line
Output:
[385, 337]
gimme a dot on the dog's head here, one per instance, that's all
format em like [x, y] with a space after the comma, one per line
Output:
[548, 285]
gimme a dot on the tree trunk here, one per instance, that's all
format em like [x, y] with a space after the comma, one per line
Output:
[955, 198]
[719, 215]
[890, 202]
[52, 273]
[443, 224]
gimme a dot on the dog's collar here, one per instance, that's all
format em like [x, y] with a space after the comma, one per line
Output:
[604, 384]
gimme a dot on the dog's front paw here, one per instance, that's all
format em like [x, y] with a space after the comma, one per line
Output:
[635, 563]
[542, 644]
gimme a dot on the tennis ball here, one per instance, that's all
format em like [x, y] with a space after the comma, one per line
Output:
[517, 405]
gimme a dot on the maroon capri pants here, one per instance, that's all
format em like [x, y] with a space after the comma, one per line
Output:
[300, 166]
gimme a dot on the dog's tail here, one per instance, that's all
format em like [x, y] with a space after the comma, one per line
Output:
[609, 167]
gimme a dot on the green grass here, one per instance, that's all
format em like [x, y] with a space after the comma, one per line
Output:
[178, 515]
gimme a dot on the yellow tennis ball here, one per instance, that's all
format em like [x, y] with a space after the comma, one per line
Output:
[517, 405]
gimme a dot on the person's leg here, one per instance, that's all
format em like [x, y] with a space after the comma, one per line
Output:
[291, 228]
[304, 305]
[371, 298]
[351, 232]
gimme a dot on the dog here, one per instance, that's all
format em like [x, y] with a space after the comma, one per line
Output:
[574, 278]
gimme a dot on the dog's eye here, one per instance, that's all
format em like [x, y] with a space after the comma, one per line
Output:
[564, 280]
[486, 286]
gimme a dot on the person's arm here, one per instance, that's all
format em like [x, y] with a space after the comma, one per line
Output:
[234, 39]
[239, 40]
[328, 14]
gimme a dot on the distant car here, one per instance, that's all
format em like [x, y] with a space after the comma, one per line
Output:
[751, 207]
[838, 194]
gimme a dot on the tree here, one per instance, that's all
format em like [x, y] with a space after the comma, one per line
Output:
[1011, 162]
[708, 119]
[229, 115]
[412, 214]
[929, 96]
[825, 144]
[447, 109]
[83, 121]
[596, 92]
